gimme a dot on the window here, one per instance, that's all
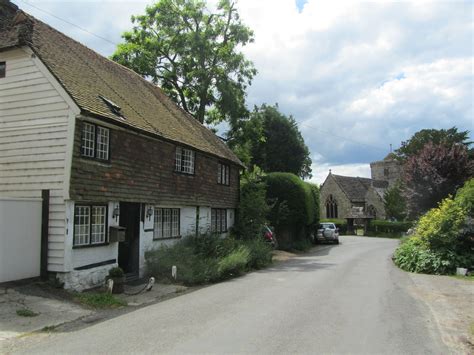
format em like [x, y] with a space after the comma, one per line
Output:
[331, 207]
[184, 161]
[223, 174]
[3, 69]
[385, 172]
[90, 225]
[95, 141]
[218, 220]
[166, 223]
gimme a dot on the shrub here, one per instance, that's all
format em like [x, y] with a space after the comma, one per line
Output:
[414, 255]
[260, 253]
[389, 227]
[207, 259]
[234, 263]
[465, 197]
[294, 208]
[116, 272]
[443, 239]
[302, 245]
[253, 207]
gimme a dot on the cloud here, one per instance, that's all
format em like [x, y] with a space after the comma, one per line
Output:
[356, 76]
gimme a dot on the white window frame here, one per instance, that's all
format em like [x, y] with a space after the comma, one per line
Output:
[223, 174]
[87, 232]
[95, 141]
[166, 223]
[184, 160]
[218, 220]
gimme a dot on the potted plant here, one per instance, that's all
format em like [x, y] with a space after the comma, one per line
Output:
[118, 276]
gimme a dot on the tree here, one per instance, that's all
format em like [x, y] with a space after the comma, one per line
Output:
[447, 137]
[272, 141]
[394, 203]
[435, 172]
[193, 54]
[253, 207]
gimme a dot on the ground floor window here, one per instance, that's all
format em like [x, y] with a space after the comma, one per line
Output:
[218, 220]
[166, 223]
[90, 225]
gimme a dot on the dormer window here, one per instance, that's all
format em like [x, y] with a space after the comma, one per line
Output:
[3, 69]
[116, 109]
[184, 160]
[95, 141]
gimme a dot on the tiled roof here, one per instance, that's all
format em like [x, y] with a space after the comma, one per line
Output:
[356, 187]
[88, 76]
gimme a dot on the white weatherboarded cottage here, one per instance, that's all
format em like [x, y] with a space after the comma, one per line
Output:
[112, 150]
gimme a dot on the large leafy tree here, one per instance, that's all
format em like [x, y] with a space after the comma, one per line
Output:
[193, 54]
[272, 141]
[432, 174]
[447, 137]
[394, 203]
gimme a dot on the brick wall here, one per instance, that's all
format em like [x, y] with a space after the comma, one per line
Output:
[141, 169]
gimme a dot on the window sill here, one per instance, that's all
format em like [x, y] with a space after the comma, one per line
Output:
[96, 161]
[90, 245]
[167, 238]
[183, 173]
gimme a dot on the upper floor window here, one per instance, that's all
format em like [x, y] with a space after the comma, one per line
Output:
[90, 225]
[3, 69]
[184, 160]
[223, 174]
[95, 141]
[331, 207]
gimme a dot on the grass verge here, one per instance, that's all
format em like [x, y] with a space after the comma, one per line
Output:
[25, 312]
[99, 300]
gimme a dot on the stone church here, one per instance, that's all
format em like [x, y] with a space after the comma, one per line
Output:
[359, 199]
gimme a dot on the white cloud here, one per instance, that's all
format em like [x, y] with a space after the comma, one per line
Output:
[321, 171]
[357, 76]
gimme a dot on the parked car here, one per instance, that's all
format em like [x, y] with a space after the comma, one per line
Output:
[327, 232]
[269, 236]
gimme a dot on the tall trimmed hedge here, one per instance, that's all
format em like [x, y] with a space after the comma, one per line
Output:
[294, 206]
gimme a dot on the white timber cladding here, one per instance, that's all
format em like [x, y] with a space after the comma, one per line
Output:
[36, 140]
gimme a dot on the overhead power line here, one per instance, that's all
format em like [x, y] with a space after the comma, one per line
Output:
[68, 22]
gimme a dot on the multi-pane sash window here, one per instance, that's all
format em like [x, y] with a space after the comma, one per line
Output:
[184, 160]
[218, 220]
[95, 142]
[166, 223]
[90, 225]
[223, 174]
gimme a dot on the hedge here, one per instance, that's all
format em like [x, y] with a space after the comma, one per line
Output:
[294, 206]
[389, 226]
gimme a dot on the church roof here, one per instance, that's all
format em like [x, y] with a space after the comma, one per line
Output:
[93, 82]
[356, 187]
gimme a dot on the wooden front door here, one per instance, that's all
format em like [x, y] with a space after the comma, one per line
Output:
[128, 254]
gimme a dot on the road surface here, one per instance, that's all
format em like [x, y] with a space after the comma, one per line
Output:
[346, 298]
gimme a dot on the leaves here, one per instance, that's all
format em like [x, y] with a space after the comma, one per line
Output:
[272, 141]
[434, 173]
[193, 55]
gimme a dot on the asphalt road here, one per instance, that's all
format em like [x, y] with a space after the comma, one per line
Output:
[339, 299]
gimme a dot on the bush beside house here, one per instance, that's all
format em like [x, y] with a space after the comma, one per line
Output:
[207, 258]
[294, 209]
[444, 237]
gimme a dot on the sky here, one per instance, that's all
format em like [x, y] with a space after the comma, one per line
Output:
[356, 76]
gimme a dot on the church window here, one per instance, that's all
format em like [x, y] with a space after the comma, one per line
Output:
[331, 207]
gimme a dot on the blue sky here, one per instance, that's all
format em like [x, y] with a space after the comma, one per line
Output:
[356, 76]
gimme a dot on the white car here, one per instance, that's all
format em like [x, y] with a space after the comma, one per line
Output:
[327, 232]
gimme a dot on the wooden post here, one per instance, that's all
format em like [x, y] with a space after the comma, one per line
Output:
[44, 234]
